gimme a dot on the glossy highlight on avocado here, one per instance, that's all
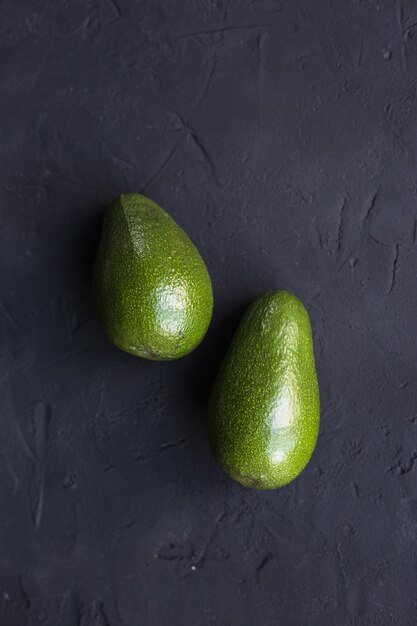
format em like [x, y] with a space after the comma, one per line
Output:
[152, 288]
[264, 409]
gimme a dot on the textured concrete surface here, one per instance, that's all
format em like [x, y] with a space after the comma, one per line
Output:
[282, 137]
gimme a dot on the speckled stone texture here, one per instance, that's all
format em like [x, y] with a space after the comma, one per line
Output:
[281, 136]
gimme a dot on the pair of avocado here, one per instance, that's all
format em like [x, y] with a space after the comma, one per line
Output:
[155, 298]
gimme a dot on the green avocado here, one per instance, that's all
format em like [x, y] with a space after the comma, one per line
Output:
[264, 408]
[151, 285]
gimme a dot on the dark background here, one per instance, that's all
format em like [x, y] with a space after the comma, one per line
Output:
[281, 136]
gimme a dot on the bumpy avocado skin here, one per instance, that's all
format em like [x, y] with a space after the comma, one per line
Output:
[264, 410]
[152, 288]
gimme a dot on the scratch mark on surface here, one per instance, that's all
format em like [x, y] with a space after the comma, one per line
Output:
[370, 208]
[355, 489]
[39, 502]
[394, 268]
[259, 90]
[303, 13]
[174, 444]
[325, 285]
[415, 231]
[341, 578]
[347, 259]
[382, 346]
[119, 161]
[379, 242]
[25, 445]
[116, 7]
[70, 357]
[201, 557]
[341, 228]
[75, 532]
[196, 143]
[169, 553]
[400, 21]
[266, 559]
[320, 237]
[174, 552]
[162, 165]
[8, 316]
[280, 539]
[95, 615]
[360, 53]
[207, 83]
[69, 608]
[332, 244]
[120, 413]
[41, 430]
[12, 473]
[322, 48]
[225, 29]
[99, 616]
[406, 469]
[40, 436]
[351, 327]
[195, 140]
[26, 601]
[191, 134]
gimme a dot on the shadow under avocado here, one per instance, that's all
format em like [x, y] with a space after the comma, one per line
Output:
[88, 244]
[204, 363]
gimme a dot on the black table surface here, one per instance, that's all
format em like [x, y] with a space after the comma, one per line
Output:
[282, 137]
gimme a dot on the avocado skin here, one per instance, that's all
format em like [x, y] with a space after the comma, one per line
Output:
[152, 288]
[264, 408]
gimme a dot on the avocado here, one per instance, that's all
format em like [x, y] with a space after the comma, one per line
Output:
[264, 408]
[152, 288]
